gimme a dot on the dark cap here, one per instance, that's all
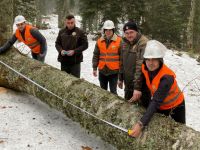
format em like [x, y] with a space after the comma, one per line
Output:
[130, 25]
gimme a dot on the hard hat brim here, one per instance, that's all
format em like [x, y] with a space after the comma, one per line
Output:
[152, 57]
[20, 22]
[108, 28]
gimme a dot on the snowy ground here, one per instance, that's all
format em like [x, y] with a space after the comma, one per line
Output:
[29, 124]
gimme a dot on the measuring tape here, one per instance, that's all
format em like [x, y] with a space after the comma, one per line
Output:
[38, 85]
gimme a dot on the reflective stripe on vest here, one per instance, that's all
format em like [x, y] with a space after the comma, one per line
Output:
[109, 56]
[174, 97]
[34, 44]
[30, 41]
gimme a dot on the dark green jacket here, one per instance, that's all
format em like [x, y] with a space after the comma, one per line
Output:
[131, 60]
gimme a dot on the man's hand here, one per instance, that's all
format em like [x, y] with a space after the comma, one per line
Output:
[70, 52]
[95, 73]
[63, 52]
[120, 84]
[136, 96]
[136, 130]
[42, 55]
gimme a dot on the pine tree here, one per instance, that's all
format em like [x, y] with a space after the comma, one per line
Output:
[27, 8]
[196, 28]
[163, 21]
[6, 17]
[133, 10]
[91, 14]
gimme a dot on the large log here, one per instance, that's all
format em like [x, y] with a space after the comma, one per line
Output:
[162, 132]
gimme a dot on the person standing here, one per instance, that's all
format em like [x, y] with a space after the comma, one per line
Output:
[70, 44]
[132, 50]
[30, 36]
[165, 95]
[106, 57]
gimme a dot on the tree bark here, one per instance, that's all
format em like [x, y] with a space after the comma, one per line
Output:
[190, 27]
[161, 133]
[6, 20]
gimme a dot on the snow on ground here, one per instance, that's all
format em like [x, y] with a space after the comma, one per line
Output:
[51, 130]
[188, 75]
[27, 123]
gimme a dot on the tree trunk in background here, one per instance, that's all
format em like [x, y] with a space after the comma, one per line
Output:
[63, 11]
[39, 5]
[190, 28]
[6, 20]
[196, 29]
[162, 133]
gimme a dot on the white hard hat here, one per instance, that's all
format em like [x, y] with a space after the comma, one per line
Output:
[154, 49]
[19, 19]
[108, 24]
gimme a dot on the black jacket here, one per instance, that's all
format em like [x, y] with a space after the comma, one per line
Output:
[74, 39]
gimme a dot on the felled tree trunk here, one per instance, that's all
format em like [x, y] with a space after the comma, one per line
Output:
[162, 133]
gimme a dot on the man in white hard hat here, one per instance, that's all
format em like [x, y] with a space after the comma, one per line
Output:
[165, 95]
[106, 57]
[30, 36]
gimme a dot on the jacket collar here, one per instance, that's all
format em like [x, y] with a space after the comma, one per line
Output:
[114, 38]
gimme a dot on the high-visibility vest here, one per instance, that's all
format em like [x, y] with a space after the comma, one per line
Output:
[30, 41]
[175, 95]
[109, 56]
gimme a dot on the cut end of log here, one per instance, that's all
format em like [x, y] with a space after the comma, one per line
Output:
[3, 90]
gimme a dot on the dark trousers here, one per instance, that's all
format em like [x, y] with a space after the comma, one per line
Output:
[37, 57]
[177, 113]
[128, 94]
[111, 79]
[74, 69]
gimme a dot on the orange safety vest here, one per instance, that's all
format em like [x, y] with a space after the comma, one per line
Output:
[109, 56]
[175, 95]
[30, 41]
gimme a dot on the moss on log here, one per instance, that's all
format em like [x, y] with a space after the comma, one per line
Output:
[162, 132]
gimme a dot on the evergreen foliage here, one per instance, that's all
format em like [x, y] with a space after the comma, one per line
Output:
[27, 8]
[173, 22]
[164, 20]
